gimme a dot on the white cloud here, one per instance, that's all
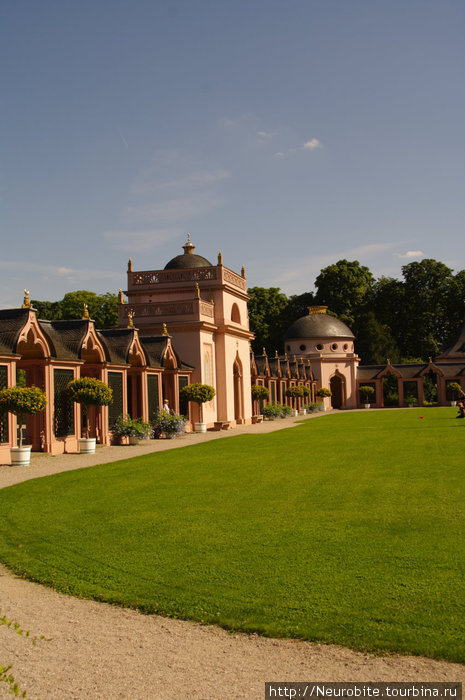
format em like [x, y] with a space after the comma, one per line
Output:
[266, 134]
[280, 153]
[140, 240]
[312, 144]
[411, 254]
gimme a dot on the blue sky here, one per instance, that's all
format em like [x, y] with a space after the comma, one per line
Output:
[288, 134]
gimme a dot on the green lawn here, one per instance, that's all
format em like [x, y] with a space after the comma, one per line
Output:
[348, 529]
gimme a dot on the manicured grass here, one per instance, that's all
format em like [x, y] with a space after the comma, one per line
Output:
[348, 529]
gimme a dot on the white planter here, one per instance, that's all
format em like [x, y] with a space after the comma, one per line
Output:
[295, 412]
[453, 403]
[366, 405]
[322, 408]
[87, 446]
[200, 427]
[303, 411]
[20, 456]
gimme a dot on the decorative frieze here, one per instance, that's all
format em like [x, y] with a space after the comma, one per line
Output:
[197, 274]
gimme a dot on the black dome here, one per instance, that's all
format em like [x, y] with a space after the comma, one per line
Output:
[187, 259]
[318, 325]
[181, 262]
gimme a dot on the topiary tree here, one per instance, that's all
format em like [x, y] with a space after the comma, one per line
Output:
[455, 389]
[90, 392]
[366, 393]
[22, 401]
[321, 393]
[199, 394]
[295, 392]
[259, 393]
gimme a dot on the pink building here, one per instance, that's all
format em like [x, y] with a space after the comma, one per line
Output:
[203, 308]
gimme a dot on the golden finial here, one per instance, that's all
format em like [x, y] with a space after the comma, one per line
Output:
[388, 361]
[430, 360]
[285, 356]
[188, 247]
[165, 330]
[276, 354]
[295, 359]
[220, 258]
[130, 265]
[120, 297]
[130, 319]
[27, 301]
[85, 313]
[243, 271]
[264, 352]
[197, 291]
[317, 309]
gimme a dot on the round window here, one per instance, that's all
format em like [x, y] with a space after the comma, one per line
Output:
[303, 347]
[346, 346]
[319, 347]
[334, 346]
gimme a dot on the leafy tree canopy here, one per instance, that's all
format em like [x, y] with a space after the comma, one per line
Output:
[103, 308]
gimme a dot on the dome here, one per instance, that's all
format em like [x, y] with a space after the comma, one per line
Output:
[187, 259]
[318, 325]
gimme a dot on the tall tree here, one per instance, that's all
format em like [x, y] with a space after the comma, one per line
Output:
[103, 308]
[347, 288]
[266, 314]
[427, 290]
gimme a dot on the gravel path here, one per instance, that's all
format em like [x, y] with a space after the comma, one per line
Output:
[93, 650]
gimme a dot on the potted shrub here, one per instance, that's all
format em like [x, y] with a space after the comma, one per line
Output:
[199, 394]
[272, 410]
[167, 425]
[22, 401]
[411, 401]
[322, 394]
[259, 393]
[294, 392]
[89, 392]
[366, 392]
[455, 389]
[135, 429]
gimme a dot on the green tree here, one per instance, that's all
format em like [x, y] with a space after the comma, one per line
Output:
[267, 309]
[347, 288]
[428, 287]
[103, 308]
[374, 341]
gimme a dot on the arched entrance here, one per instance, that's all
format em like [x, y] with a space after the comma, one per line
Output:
[238, 390]
[337, 386]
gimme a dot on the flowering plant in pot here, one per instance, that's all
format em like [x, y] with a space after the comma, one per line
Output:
[89, 392]
[22, 401]
[166, 424]
[199, 394]
[133, 428]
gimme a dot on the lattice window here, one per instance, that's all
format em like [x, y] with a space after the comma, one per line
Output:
[4, 436]
[115, 409]
[183, 404]
[153, 394]
[63, 415]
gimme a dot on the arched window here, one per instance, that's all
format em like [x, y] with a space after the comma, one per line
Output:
[235, 314]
